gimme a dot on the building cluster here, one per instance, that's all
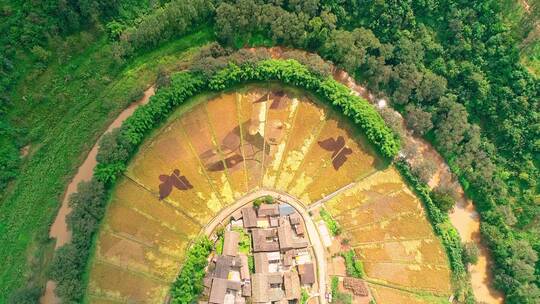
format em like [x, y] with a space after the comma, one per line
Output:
[281, 258]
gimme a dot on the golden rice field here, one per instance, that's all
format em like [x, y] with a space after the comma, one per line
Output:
[214, 151]
[388, 230]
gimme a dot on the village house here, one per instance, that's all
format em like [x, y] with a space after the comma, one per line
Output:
[281, 258]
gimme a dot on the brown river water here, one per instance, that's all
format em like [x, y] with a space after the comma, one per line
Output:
[59, 229]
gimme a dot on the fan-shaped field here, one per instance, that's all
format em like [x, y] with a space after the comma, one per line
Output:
[210, 153]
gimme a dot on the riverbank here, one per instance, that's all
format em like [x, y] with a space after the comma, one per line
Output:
[59, 229]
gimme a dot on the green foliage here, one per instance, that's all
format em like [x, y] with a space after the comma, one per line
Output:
[445, 231]
[108, 173]
[174, 19]
[69, 263]
[86, 91]
[443, 200]
[470, 253]
[26, 295]
[418, 120]
[220, 241]
[189, 283]
[334, 286]
[267, 199]
[304, 296]
[244, 243]
[110, 150]
[9, 160]
[354, 267]
[251, 263]
[334, 227]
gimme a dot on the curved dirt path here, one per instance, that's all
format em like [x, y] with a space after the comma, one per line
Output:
[312, 232]
[59, 229]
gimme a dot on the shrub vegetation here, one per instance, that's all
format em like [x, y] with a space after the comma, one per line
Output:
[354, 266]
[445, 231]
[189, 284]
[334, 227]
[69, 264]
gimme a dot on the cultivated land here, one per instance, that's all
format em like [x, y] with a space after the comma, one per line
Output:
[464, 76]
[217, 149]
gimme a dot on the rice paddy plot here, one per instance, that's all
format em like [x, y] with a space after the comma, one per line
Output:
[127, 222]
[252, 108]
[280, 118]
[370, 191]
[384, 294]
[170, 214]
[310, 120]
[127, 253]
[380, 209]
[386, 226]
[117, 283]
[201, 139]
[345, 167]
[414, 251]
[411, 276]
[408, 227]
[160, 165]
[225, 146]
[223, 117]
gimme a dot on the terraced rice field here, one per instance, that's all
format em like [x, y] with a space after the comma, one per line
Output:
[212, 152]
[388, 230]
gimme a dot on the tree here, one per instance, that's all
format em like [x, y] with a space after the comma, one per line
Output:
[309, 7]
[405, 79]
[424, 169]
[110, 148]
[451, 124]
[289, 28]
[470, 253]
[26, 295]
[431, 88]
[507, 215]
[67, 269]
[88, 205]
[394, 121]
[443, 200]
[188, 285]
[341, 48]
[314, 62]
[418, 120]
[528, 293]
[320, 29]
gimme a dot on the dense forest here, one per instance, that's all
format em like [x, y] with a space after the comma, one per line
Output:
[452, 68]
